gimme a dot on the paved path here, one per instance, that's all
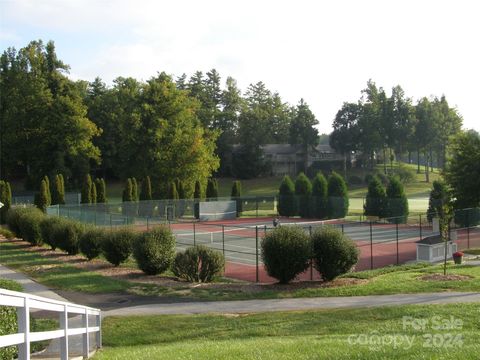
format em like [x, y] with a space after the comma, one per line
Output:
[250, 306]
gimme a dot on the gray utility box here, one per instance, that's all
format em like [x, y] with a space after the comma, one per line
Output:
[432, 249]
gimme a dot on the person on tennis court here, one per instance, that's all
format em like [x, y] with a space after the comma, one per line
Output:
[276, 222]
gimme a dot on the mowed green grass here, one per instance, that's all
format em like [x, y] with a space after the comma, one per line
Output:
[326, 334]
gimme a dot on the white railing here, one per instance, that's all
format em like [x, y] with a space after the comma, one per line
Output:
[24, 302]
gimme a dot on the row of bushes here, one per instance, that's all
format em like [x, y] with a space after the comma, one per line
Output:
[289, 250]
[154, 250]
[320, 198]
[390, 203]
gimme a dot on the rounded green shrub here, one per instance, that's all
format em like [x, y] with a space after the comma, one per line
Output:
[49, 228]
[334, 253]
[286, 252]
[13, 218]
[29, 223]
[198, 264]
[117, 245]
[155, 250]
[397, 202]
[91, 242]
[67, 236]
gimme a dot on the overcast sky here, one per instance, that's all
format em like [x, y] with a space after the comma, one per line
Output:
[322, 51]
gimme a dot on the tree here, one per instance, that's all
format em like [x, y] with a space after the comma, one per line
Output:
[134, 189]
[49, 193]
[5, 199]
[438, 194]
[58, 193]
[375, 201]
[198, 194]
[286, 197]
[93, 193]
[146, 190]
[127, 195]
[41, 198]
[87, 190]
[337, 196]
[462, 171]
[302, 130]
[101, 191]
[303, 192]
[397, 202]
[212, 189]
[172, 191]
[236, 189]
[319, 196]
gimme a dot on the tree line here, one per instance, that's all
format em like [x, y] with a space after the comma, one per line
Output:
[382, 126]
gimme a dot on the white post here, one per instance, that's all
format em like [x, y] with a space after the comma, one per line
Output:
[64, 339]
[23, 315]
[99, 332]
[86, 336]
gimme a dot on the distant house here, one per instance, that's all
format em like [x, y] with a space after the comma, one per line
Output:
[286, 159]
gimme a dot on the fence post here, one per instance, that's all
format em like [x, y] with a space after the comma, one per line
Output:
[111, 227]
[371, 247]
[194, 234]
[223, 240]
[86, 338]
[256, 254]
[148, 228]
[256, 206]
[64, 339]
[396, 230]
[468, 231]
[98, 335]
[343, 230]
[23, 314]
[420, 217]
[311, 252]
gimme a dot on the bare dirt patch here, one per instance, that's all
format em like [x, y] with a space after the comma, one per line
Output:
[441, 277]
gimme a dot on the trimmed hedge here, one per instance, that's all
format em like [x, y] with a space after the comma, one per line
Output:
[337, 196]
[334, 254]
[117, 245]
[303, 192]
[29, 224]
[286, 197]
[67, 236]
[286, 252]
[50, 228]
[91, 242]
[155, 250]
[198, 264]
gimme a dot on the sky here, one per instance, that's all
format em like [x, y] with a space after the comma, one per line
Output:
[321, 51]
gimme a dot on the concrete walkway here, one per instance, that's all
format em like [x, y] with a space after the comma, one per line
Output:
[251, 306]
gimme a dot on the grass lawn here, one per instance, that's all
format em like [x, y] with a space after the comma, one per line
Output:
[329, 334]
[390, 280]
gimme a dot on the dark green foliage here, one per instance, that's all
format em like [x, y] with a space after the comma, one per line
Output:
[303, 192]
[8, 320]
[375, 201]
[212, 189]
[355, 180]
[286, 252]
[146, 190]
[117, 245]
[93, 193]
[368, 178]
[397, 202]
[382, 177]
[155, 250]
[404, 174]
[41, 199]
[5, 199]
[67, 236]
[87, 190]
[236, 189]
[286, 197]
[91, 242]
[101, 191]
[51, 228]
[13, 218]
[198, 194]
[58, 193]
[134, 190]
[172, 191]
[334, 254]
[198, 264]
[180, 189]
[337, 196]
[29, 224]
[319, 196]
[127, 194]
[438, 196]
[49, 192]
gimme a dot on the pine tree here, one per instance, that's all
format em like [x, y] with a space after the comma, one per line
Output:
[134, 190]
[146, 189]
[337, 196]
[61, 190]
[397, 202]
[212, 189]
[237, 195]
[41, 199]
[437, 195]
[375, 201]
[286, 197]
[127, 195]
[303, 191]
[87, 190]
[198, 194]
[101, 191]
[172, 191]
[49, 193]
[319, 196]
[93, 193]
